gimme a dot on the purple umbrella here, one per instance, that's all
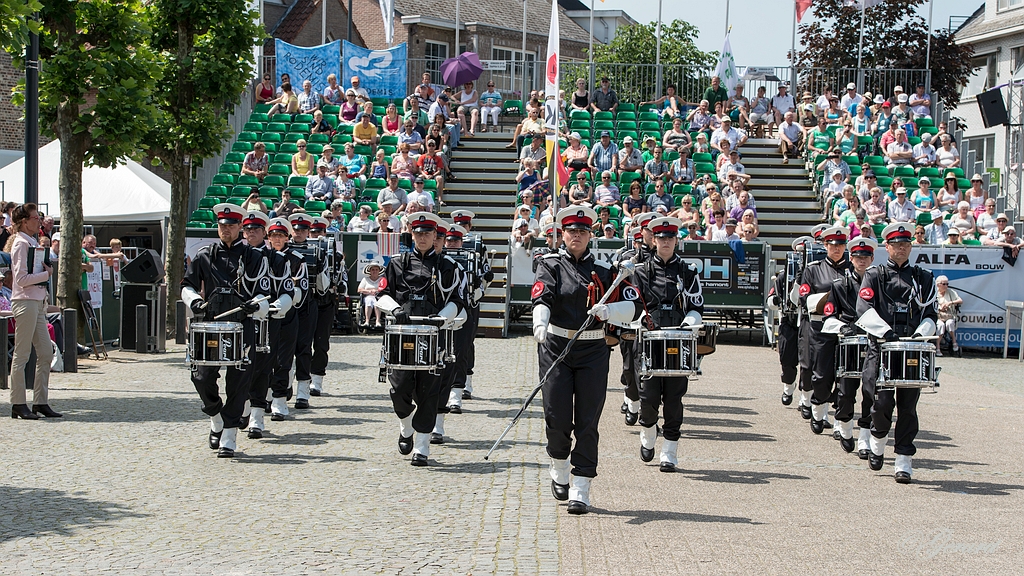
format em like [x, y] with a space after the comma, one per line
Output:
[463, 68]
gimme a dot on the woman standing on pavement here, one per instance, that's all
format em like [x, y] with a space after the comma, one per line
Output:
[28, 303]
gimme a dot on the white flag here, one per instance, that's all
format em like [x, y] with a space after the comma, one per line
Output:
[552, 105]
[726, 70]
[387, 10]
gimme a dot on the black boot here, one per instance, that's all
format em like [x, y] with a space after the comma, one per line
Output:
[22, 411]
[559, 491]
[45, 410]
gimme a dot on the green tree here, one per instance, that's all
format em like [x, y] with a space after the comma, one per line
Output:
[95, 81]
[16, 23]
[205, 49]
[895, 37]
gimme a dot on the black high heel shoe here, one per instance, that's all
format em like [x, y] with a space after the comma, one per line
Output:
[45, 410]
[22, 411]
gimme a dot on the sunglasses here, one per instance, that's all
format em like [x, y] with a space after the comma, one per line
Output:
[301, 146]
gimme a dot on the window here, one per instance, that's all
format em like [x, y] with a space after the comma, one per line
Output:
[1004, 4]
[436, 53]
[984, 148]
[984, 76]
[512, 77]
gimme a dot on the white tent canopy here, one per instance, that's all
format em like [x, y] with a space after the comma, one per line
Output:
[125, 193]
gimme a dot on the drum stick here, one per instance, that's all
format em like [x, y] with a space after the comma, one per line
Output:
[239, 309]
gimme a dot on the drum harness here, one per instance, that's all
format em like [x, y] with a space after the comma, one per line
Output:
[902, 313]
[417, 298]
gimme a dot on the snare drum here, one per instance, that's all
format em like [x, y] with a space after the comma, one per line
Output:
[215, 344]
[707, 337]
[669, 353]
[850, 356]
[411, 347]
[263, 336]
[447, 343]
[907, 364]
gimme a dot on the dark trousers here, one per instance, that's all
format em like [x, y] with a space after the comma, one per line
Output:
[904, 400]
[473, 324]
[667, 391]
[789, 356]
[804, 355]
[847, 398]
[416, 390]
[286, 336]
[263, 367]
[628, 378]
[324, 319]
[574, 396]
[304, 340]
[465, 357]
[237, 382]
[823, 372]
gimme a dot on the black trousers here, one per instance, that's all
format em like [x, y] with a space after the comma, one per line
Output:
[237, 382]
[574, 396]
[823, 372]
[306, 317]
[324, 319]
[628, 378]
[847, 398]
[287, 333]
[904, 400]
[804, 355]
[416, 390]
[473, 323]
[667, 391]
[263, 367]
[789, 356]
[465, 356]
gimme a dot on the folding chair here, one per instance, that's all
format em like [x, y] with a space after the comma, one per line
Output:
[92, 325]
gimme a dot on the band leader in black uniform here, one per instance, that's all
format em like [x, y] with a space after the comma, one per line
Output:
[278, 279]
[643, 245]
[568, 284]
[897, 300]
[278, 233]
[419, 283]
[815, 283]
[840, 314]
[474, 293]
[213, 285]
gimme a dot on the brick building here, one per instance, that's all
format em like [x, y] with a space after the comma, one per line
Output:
[12, 126]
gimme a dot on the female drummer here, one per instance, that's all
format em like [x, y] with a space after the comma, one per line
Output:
[671, 294]
[568, 285]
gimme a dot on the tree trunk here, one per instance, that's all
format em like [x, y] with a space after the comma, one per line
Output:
[72, 156]
[174, 264]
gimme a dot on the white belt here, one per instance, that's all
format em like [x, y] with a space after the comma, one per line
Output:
[597, 334]
[817, 317]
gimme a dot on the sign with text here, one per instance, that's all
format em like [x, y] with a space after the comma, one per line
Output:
[311, 63]
[382, 73]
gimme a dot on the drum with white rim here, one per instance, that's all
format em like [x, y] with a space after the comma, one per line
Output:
[411, 347]
[851, 353]
[707, 338]
[262, 335]
[667, 353]
[215, 344]
[907, 364]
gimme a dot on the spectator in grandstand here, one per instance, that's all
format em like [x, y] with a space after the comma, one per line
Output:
[604, 99]
[303, 163]
[656, 168]
[820, 140]
[350, 108]
[606, 193]
[346, 187]
[319, 125]
[742, 205]
[660, 198]
[732, 168]
[469, 106]
[534, 152]
[265, 90]
[901, 113]
[986, 221]
[608, 231]
[693, 232]
[438, 134]
[432, 165]
[727, 133]
[791, 138]
[924, 152]
[701, 144]
[949, 195]
[888, 137]
[682, 169]
[731, 193]
[285, 207]
[330, 160]
[575, 155]
[423, 96]
[333, 93]
[1010, 241]
[386, 219]
[947, 156]
[630, 157]
[580, 192]
[635, 199]
[942, 130]
[527, 175]
[716, 92]
[711, 203]
[676, 138]
[846, 140]
[717, 117]
[885, 125]
[531, 126]
[256, 162]
[947, 301]
[901, 209]
[832, 164]
[848, 214]
[286, 102]
[919, 239]
[366, 110]
[411, 137]
[938, 230]
[391, 122]
[976, 194]
[963, 219]
[759, 112]
[723, 230]
[321, 187]
[875, 207]
[309, 101]
[650, 143]
[361, 95]
[995, 235]
[924, 198]
[420, 196]
[379, 167]
[782, 102]
[671, 105]
[822, 103]
[861, 122]
[362, 221]
[490, 106]
[580, 97]
[403, 163]
[851, 99]
[353, 164]
[604, 155]
[832, 191]
[834, 114]
[365, 132]
[899, 152]
[522, 232]
[393, 192]
[604, 217]
[806, 112]
[738, 107]
[251, 203]
[686, 212]
[749, 233]
[700, 118]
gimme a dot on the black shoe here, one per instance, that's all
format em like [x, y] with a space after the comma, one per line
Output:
[667, 467]
[255, 433]
[45, 410]
[624, 408]
[404, 445]
[275, 417]
[826, 423]
[805, 412]
[875, 461]
[560, 491]
[646, 454]
[225, 453]
[243, 423]
[419, 460]
[902, 477]
[466, 395]
[836, 435]
[577, 507]
[817, 426]
[301, 404]
[214, 440]
[863, 454]
[787, 399]
[631, 418]
[83, 350]
[454, 409]
[314, 392]
[436, 438]
[22, 411]
[848, 444]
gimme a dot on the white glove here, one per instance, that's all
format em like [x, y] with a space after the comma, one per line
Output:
[280, 308]
[599, 311]
[478, 295]
[692, 318]
[541, 317]
[926, 328]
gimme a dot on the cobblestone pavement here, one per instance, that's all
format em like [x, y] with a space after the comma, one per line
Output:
[125, 481]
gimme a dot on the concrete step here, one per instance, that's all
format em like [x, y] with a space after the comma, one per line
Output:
[774, 171]
[493, 174]
[786, 206]
[484, 144]
[490, 188]
[456, 196]
[804, 193]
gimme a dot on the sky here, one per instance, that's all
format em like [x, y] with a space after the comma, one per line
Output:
[762, 30]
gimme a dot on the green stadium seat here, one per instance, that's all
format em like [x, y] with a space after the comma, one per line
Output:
[680, 189]
[302, 118]
[315, 148]
[430, 184]
[271, 147]
[512, 108]
[207, 202]
[922, 122]
[363, 150]
[270, 192]
[288, 148]
[670, 155]
[282, 159]
[285, 118]
[262, 107]
[958, 171]
[652, 126]
[902, 171]
[380, 111]
[579, 124]
[242, 147]
[237, 157]
[299, 127]
[627, 178]
[376, 183]
[296, 191]
[345, 129]
[620, 136]
[884, 182]
[203, 216]
[194, 224]
[929, 171]
[217, 191]
[248, 137]
[875, 161]
[348, 207]
[273, 137]
[230, 168]
[274, 180]
[237, 201]
[341, 139]
[649, 117]
[851, 159]
[276, 127]
[603, 125]
[579, 115]
[248, 180]
[389, 150]
[259, 117]
[585, 135]
[602, 115]
[240, 192]
[331, 110]
[625, 115]
[629, 125]
[298, 181]
[704, 167]
[372, 205]
[910, 183]
[390, 140]
[254, 127]
[379, 101]
[928, 130]
[626, 107]
[405, 184]
[702, 157]
[283, 170]
[294, 137]
[963, 183]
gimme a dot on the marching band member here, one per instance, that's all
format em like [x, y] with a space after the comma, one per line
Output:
[326, 298]
[840, 314]
[787, 340]
[643, 247]
[278, 281]
[419, 283]
[212, 286]
[897, 300]
[804, 334]
[313, 261]
[568, 285]
[553, 237]
[815, 283]
[279, 233]
[475, 293]
[670, 292]
[464, 336]
[450, 368]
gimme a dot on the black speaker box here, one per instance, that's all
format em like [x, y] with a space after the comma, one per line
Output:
[146, 268]
[993, 109]
[154, 298]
